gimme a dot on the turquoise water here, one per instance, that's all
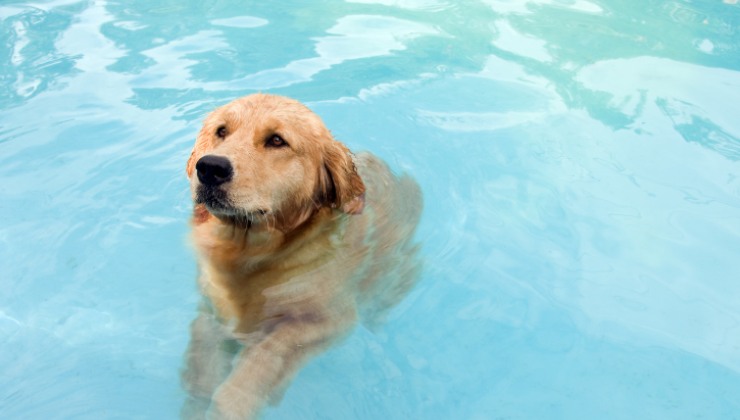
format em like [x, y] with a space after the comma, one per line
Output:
[580, 162]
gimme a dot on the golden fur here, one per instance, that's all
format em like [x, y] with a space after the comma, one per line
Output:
[300, 241]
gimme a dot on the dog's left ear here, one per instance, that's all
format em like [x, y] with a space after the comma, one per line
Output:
[340, 186]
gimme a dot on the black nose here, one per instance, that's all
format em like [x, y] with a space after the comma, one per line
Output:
[214, 170]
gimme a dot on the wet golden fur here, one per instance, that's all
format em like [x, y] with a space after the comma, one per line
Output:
[299, 244]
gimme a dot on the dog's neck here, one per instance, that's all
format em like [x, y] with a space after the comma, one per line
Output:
[227, 245]
[238, 262]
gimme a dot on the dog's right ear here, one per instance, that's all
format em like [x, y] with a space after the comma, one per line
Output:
[190, 167]
[198, 150]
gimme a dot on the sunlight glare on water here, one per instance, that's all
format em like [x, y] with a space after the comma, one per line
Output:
[580, 162]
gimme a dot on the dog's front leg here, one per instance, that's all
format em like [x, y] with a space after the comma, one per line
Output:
[208, 361]
[265, 367]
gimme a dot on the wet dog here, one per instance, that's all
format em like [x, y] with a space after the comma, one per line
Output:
[297, 239]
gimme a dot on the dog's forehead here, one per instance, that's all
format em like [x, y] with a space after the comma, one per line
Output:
[238, 112]
[261, 115]
[272, 111]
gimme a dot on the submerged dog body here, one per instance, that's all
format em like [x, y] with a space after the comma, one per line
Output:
[296, 240]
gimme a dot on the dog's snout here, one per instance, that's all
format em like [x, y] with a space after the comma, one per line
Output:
[214, 170]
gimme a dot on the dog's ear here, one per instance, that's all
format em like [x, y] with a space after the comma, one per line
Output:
[340, 186]
[190, 167]
[198, 149]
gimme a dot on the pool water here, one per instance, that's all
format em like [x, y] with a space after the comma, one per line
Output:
[580, 162]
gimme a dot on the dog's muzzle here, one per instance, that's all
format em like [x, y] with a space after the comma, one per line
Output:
[213, 172]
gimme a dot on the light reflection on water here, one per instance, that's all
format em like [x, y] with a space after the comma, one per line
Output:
[580, 168]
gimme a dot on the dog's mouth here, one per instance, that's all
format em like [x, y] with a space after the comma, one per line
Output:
[215, 199]
[218, 204]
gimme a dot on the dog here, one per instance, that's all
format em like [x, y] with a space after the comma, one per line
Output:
[296, 239]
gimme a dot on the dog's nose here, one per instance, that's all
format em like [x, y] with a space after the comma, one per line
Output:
[214, 170]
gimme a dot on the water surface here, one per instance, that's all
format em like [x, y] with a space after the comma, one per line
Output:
[579, 160]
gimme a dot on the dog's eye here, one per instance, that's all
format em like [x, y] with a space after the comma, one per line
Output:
[221, 131]
[276, 141]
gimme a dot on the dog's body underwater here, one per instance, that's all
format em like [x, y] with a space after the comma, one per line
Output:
[296, 240]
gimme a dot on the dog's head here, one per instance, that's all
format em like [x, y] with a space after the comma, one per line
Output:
[265, 157]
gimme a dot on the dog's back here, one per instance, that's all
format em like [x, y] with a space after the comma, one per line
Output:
[394, 206]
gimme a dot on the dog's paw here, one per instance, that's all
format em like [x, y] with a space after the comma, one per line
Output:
[232, 403]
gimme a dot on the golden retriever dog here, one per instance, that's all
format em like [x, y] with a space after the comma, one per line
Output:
[297, 239]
